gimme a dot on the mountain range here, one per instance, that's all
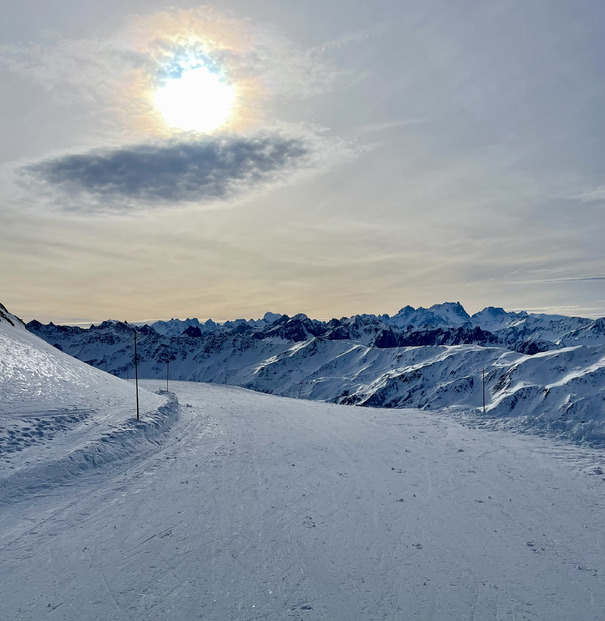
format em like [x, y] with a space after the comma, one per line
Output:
[537, 373]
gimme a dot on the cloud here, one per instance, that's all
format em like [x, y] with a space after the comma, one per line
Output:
[373, 128]
[592, 312]
[203, 170]
[545, 281]
[596, 194]
[114, 77]
[353, 38]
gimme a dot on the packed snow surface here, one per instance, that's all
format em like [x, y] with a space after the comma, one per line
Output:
[261, 507]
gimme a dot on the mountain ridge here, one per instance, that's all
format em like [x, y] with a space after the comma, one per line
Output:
[543, 374]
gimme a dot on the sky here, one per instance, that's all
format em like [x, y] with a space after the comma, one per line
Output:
[332, 158]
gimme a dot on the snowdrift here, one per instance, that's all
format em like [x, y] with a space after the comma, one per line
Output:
[88, 416]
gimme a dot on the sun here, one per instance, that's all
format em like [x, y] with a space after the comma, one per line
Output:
[196, 100]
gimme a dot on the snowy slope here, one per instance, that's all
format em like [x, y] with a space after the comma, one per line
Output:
[259, 507]
[8, 318]
[561, 392]
[49, 399]
[495, 318]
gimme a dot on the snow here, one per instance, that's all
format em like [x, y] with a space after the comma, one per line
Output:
[493, 319]
[446, 314]
[240, 505]
[48, 396]
[256, 506]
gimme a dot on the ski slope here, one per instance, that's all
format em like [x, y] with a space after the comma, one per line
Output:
[261, 507]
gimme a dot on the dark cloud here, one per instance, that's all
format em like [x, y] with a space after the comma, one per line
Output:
[171, 172]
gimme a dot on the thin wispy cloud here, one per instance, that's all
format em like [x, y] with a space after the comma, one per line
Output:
[55, 66]
[352, 38]
[542, 281]
[593, 195]
[115, 73]
[374, 128]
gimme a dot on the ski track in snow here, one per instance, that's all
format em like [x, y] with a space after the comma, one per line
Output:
[260, 507]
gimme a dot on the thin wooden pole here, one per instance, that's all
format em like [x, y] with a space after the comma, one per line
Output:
[483, 378]
[136, 371]
[167, 372]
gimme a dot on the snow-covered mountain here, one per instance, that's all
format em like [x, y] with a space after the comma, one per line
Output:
[176, 327]
[542, 374]
[492, 318]
[450, 314]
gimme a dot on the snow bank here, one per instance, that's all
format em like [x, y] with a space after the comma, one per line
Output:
[60, 417]
[118, 444]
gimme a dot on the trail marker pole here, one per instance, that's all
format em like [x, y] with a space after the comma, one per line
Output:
[483, 383]
[136, 371]
[167, 372]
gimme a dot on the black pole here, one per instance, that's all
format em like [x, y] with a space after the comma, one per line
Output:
[136, 371]
[483, 378]
[167, 372]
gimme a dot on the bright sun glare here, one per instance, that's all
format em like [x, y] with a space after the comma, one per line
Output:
[198, 100]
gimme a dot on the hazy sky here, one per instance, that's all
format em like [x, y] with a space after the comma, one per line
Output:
[371, 155]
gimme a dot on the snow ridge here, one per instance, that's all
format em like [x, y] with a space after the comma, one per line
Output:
[9, 318]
